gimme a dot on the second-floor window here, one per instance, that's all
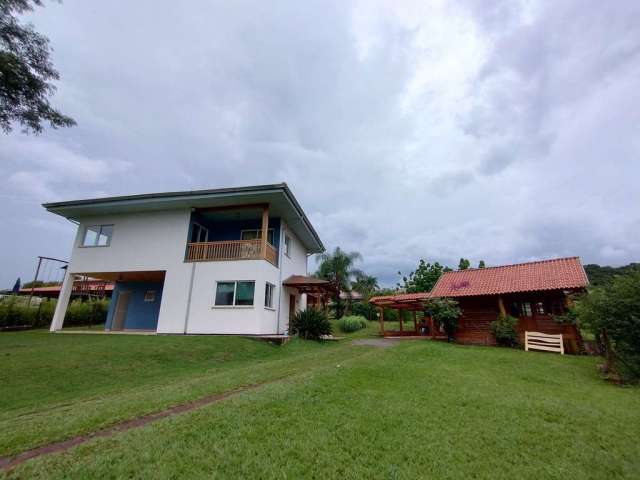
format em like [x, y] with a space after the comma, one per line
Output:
[287, 245]
[199, 233]
[97, 236]
[257, 233]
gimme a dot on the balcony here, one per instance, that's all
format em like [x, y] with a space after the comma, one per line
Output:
[227, 250]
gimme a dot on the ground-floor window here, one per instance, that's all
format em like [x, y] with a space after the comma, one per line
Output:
[235, 293]
[268, 295]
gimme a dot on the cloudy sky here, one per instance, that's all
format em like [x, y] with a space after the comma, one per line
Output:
[504, 131]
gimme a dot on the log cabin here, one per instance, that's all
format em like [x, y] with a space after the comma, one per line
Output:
[533, 292]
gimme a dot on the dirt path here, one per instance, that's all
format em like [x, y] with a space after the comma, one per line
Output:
[7, 463]
[376, 342]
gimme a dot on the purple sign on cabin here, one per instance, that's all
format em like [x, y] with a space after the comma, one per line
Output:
[460, 285]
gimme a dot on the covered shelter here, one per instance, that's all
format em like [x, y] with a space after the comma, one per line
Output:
[318, 291]
[411, 302]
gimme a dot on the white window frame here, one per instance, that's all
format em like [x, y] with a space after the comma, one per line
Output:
[287, 245]
[100, 227]
[201, 227]
[235, 289]
[271, 296]
[259, 233]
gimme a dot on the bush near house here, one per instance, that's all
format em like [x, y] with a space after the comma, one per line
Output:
[310, 324]
[15, 312]
[352, 323]
[446, 312]
[504, 330]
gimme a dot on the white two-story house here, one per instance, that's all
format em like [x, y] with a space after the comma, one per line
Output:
[201, 262]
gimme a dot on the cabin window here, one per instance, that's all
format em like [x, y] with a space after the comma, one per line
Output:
[199, 233]
[525, 309]
[97, 236]
[539, 308]
[257, 233]
[268, 295]
[557, 306]
[150, 296]
[235, 294]
[287, 245]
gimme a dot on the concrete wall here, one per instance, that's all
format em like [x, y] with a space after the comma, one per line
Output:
[141, 315]
[294, 264]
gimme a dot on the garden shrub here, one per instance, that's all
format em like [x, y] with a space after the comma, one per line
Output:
[504, 330]
[446, 312]
[364, 309]
[310, 324]
[352, 323]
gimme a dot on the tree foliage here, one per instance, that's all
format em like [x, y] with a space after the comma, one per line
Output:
[365, 284]
[338, 267]
[613, 313]
[446, 312]
[481, 264]
[464, 264]
[26, 72]
[600, 276]
[423, 278]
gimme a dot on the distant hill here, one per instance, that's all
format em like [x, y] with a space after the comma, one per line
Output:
[599, 276]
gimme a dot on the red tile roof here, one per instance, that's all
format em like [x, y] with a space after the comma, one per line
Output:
[560, 273]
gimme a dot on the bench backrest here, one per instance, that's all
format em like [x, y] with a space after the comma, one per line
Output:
[543, 341]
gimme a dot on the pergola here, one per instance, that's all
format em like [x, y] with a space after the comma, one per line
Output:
[413, 302]
[318, 291]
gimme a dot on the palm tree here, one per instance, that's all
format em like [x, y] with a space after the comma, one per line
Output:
[365, 284]
[338, 268]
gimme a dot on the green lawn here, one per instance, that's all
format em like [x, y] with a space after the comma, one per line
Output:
[419, 409]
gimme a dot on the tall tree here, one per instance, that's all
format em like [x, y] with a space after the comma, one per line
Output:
[481, 264]
[26, 72]
[338, 267]
[365, 284]
[16, 286]
[423, 278]
[464, 264]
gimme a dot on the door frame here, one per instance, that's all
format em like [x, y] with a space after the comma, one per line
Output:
[127, 294]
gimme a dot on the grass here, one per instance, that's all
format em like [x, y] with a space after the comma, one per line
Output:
[420, 409]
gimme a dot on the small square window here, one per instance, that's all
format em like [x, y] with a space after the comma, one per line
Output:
[525, 309]
[150, 296]
[268, 295]
[225, 292]
[97, 236]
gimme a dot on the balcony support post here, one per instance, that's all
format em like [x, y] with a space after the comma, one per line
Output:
[265, 229]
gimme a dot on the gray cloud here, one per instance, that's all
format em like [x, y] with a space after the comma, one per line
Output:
[496, 130]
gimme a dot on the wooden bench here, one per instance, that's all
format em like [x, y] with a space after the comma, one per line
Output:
[543, 341]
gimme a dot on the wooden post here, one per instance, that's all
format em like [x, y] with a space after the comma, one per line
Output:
[432, 330]
[265, 229]
[401, 318]
[415, 323]
[503, 311]
[382, 321]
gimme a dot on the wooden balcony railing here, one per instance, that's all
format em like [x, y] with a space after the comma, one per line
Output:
[230, 250]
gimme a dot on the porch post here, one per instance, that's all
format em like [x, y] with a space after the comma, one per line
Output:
[265, 229]
[63, 302]
[382, 321]
[503, 311]
[401, 317]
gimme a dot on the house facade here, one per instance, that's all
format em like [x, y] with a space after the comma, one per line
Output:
[197, 262]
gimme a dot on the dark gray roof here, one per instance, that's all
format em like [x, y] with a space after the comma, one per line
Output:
[273, 194]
